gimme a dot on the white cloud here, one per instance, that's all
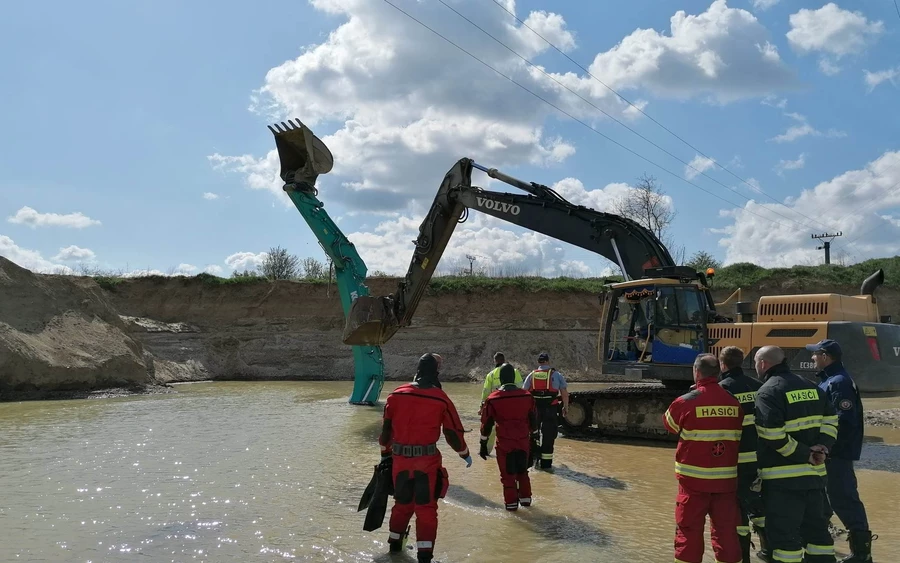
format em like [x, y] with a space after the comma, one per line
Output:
[387, 247]
[403, 99]
[764, 4]
[828, 67]
[210, 196]
[724, 53]
[213, 269]
[245, 260]
[832, 30]
[697, 166]
[797, 164]
[74, 253]
[804, 129]
[30, 259]
[855, 202]
[184, 270]
[873, 79]
[773, 101]
[34, 219]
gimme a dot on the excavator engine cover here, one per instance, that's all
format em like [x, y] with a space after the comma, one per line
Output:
[371, 321]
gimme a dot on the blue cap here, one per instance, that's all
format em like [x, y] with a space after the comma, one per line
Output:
[543, 357]
[830, 347]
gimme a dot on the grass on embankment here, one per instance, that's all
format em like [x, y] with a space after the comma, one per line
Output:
[729, 277]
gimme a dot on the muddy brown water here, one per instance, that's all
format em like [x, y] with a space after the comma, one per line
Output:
[273, 471]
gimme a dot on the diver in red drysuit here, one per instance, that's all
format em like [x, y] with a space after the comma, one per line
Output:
[515, 413]
[413, 416]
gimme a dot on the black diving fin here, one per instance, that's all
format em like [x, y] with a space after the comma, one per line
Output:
[376, 495]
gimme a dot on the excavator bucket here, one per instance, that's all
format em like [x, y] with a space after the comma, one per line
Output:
[370, 322]
[303, 155]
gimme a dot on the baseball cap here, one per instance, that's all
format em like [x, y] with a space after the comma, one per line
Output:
[543, 357]
[830, 347]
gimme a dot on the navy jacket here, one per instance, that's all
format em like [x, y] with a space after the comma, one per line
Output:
[844, 397]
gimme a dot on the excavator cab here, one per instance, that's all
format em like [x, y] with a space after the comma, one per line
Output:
[658, 322]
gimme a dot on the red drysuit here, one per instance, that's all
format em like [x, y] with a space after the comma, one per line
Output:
[515, 413]
[708, 421]
[413, 416]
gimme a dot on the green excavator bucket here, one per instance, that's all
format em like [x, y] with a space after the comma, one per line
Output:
[303, 155]
[371, 321]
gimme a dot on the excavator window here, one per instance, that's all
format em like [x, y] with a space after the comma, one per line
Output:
[680, 322]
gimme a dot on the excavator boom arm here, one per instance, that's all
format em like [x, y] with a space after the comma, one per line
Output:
[623, 241]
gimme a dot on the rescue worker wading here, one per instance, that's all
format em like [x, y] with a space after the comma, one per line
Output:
[744, 389]
[491, 384]
[708, 421]
[515, 415]
[547, 386]
[413, 416]
[796, 426]
[841, 484]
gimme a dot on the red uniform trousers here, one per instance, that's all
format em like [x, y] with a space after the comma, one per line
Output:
[691, 509]
[418, 484]
[514, 477]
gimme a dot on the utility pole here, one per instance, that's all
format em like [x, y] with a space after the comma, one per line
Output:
[471, 259]
[827, 244]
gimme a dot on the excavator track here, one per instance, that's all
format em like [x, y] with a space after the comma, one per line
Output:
[630, 411]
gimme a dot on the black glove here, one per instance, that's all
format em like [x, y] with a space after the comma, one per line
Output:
[483, 450]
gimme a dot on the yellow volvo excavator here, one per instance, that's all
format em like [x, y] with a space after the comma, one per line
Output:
[653, 324]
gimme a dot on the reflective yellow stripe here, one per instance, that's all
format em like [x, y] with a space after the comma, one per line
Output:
[759, 522]
[788, 556]
[711, 435]
[788, 471]
[804, 423]
[546, 456]
[672, 422]
[813, 549]
[830, 419]
[705, 472]
[770, 433]
[743, 530]
[828, 430]
[749, 419]
[788, 448]
[746, 457]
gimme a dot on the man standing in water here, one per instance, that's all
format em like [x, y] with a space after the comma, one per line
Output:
[708, 421]
[491, 384]
[841, 483]
[547, 386]
[413, 416]
[514, 412]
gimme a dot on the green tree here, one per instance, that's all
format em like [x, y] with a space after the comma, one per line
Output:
[701, 260]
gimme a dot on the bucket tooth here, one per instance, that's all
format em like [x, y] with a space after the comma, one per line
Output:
[303, 156]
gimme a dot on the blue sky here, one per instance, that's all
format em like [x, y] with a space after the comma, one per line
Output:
[119, 117]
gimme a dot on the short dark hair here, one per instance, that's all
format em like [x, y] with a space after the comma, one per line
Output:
[499, 357]
[707, 365]
[732, 357]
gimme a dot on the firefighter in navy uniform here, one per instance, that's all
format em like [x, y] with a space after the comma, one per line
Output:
[708, 422]
[413, 416]
[744, 389]
[547, 386]
[841, 483]
[796, 426]
[513, 411]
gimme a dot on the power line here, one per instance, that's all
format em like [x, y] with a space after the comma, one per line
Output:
[626, 100]
[551, 104]
[700, 172]
[898, 8]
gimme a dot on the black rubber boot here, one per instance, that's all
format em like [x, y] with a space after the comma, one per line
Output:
[860, 547]
[764, 553]
[424, 556]
[745, 548]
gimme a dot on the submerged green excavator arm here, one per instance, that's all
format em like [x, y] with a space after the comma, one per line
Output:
[303, 157]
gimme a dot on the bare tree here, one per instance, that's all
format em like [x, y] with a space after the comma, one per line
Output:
[313, 269]
[648, 205]
[279, 264]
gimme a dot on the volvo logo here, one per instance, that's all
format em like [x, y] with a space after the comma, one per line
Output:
[497, 205]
